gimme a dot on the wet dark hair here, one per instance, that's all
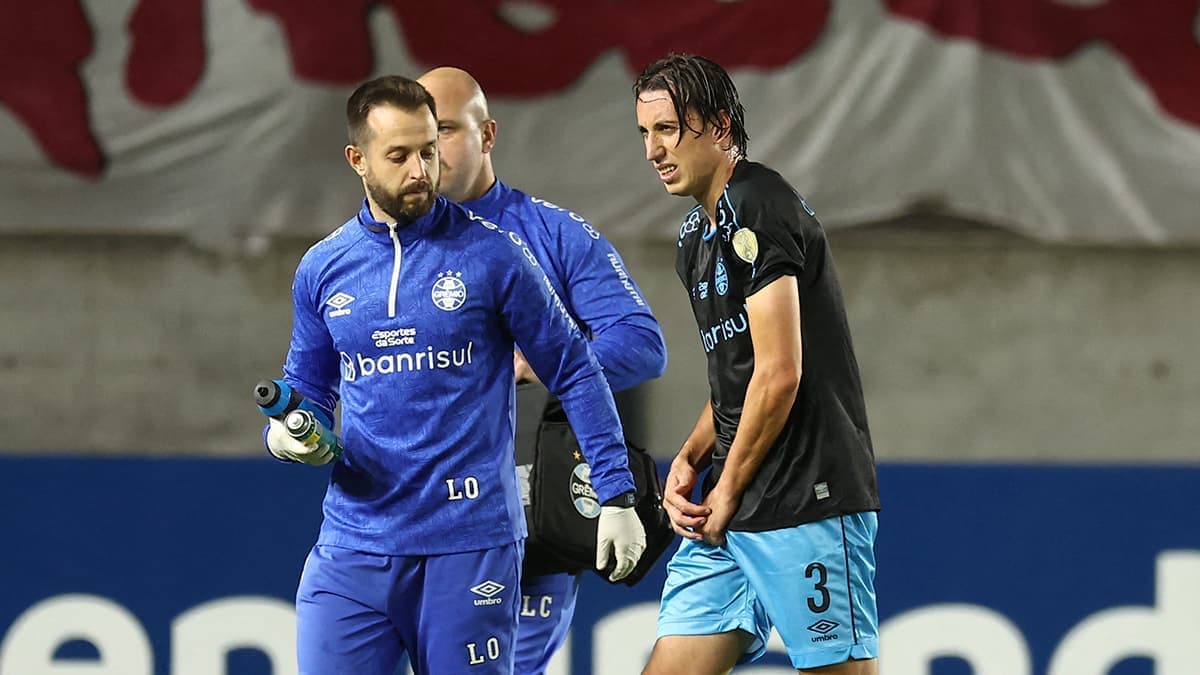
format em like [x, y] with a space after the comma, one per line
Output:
[393, 90]
[699, 84]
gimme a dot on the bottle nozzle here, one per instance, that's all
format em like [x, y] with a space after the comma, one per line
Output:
[266, 393]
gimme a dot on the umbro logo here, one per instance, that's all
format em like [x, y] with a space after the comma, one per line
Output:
[487, 592]
[339, 303]
[824, 628]
[488, 588]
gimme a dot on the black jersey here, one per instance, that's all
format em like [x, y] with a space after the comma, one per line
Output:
[822, 463]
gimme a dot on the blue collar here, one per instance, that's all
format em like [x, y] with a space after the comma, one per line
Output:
[410, 231]
[491, 200]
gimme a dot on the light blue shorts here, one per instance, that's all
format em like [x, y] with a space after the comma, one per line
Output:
[814, 583]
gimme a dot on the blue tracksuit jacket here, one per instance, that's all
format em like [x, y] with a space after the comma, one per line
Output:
[413, 329]
[590, 277]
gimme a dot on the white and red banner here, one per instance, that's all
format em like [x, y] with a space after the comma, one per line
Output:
[1067, 120]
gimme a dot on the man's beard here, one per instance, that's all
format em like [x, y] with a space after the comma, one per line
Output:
[394, 204]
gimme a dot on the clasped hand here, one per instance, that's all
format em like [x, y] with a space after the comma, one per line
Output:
[282, 445]
[706, 521]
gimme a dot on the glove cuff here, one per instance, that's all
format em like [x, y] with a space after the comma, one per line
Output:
[624, 500]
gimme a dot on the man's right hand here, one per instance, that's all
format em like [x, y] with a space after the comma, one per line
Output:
[522, 369]
[685, 515]
[282, 445]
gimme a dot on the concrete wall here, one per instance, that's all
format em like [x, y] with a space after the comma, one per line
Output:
[974, 344]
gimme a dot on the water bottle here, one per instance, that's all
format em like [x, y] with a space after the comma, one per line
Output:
[304, 426]
[276, 398]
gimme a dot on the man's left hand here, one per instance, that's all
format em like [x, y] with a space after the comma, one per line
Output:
[619, 535]
[723, 509]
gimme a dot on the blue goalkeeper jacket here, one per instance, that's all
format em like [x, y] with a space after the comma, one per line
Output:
[413, 328]
[590, 277]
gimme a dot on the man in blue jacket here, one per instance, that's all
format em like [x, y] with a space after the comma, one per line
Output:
[408, 314]
[586, 272]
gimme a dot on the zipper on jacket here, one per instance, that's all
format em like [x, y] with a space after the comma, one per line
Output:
[396, 259]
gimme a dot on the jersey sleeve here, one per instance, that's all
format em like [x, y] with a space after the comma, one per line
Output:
[312, 366]
[777, 219]
[557, 350]
[599, 291]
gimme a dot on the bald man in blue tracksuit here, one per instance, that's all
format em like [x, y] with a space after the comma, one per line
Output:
[409, 314]
[586, 272]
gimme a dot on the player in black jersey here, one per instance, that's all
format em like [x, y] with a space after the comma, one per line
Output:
[784, 534]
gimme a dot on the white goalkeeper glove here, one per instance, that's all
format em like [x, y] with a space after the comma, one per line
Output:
[619, 535]
[282, 445]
